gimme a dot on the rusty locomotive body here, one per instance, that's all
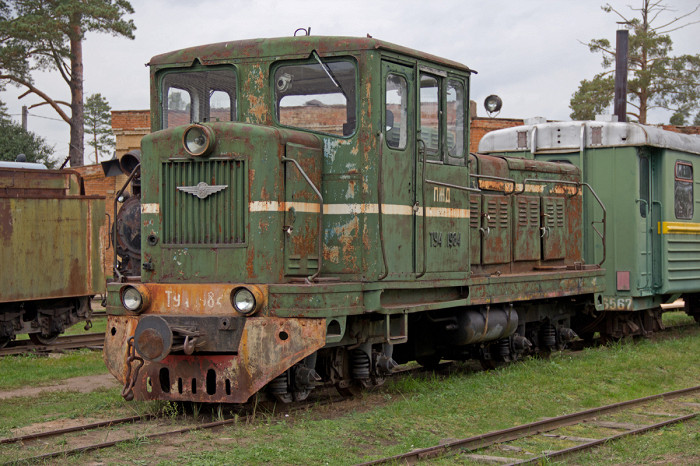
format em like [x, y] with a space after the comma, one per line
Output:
[51, 251]
[310, 212]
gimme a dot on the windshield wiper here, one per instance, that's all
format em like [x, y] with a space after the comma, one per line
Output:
[328, 71]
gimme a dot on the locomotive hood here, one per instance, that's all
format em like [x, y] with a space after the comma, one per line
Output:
[214, 217]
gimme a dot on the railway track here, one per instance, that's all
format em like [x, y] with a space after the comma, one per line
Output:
[142, 427]
[88, 340]
[552, 432]
[149, 427]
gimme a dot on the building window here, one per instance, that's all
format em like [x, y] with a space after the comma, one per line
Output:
[683, 190]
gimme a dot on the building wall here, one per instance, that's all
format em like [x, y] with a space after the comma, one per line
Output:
[129, 127]
[480, 126]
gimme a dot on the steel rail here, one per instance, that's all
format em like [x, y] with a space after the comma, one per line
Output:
[80, 428]
[211, 425]
[167, 433]
[588, 445]
[525, 430]
[61, 343]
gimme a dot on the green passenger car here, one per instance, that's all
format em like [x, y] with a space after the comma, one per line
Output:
[646, 179]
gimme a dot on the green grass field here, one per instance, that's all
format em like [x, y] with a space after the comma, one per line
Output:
[405, 414]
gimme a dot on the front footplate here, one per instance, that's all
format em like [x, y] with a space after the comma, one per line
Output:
[267, 348]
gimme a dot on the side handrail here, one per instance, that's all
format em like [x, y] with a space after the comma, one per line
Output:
[496, 178]
[647, 243]
[320, 216]
[533, 181]
[453, 186]
[128, 181]
[380, 201]
[603, 221]
[425, 222]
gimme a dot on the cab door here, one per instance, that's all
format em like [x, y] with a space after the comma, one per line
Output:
[397, 191]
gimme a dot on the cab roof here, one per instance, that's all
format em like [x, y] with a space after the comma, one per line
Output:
[299, 46]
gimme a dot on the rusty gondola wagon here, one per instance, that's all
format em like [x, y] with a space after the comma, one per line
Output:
[50, 250]
[310, 212]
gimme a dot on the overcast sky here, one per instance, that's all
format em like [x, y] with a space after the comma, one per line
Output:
[529, 52]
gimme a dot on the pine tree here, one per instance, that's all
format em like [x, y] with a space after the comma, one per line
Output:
[656, 79]
[98, 125]
[47, 35]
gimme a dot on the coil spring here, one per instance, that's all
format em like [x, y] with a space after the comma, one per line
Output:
[504, 347]
[549, 335]
[360, 364]
[279, 384]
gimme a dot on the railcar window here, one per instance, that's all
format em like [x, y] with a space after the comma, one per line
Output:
[455, 118]
[317, 96]
[683, 190]
[199, 96]
[396, 111]
[644, 185]
[429, 113]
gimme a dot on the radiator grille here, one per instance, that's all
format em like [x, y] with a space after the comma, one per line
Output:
[217, 219]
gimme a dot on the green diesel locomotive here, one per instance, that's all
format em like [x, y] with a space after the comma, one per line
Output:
[310, 214]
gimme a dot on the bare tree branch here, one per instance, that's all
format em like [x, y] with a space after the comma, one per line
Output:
[31, 88]
[46, 103]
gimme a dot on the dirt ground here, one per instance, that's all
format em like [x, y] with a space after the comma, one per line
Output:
[84, 384]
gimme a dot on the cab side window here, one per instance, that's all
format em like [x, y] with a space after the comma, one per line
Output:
[455, 118]
[683, 190]
[430, 113]
[396, 120]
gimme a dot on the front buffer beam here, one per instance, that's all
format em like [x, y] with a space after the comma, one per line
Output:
[268, 347]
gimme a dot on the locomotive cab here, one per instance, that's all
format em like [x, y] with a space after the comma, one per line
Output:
[309, 204]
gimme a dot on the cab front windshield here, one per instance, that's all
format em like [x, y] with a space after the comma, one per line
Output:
[198, 96]
[317, 96]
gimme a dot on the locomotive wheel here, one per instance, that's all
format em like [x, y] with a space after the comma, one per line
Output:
[490, 364]
[348, 388]
[41, 339]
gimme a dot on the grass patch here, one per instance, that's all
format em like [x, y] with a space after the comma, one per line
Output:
[51, 406]
[420, 412]
[32, 370]
[99, 325]
[676, 318]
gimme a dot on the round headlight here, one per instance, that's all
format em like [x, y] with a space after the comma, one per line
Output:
[198, 140]
[131, 299]
[243, 301]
